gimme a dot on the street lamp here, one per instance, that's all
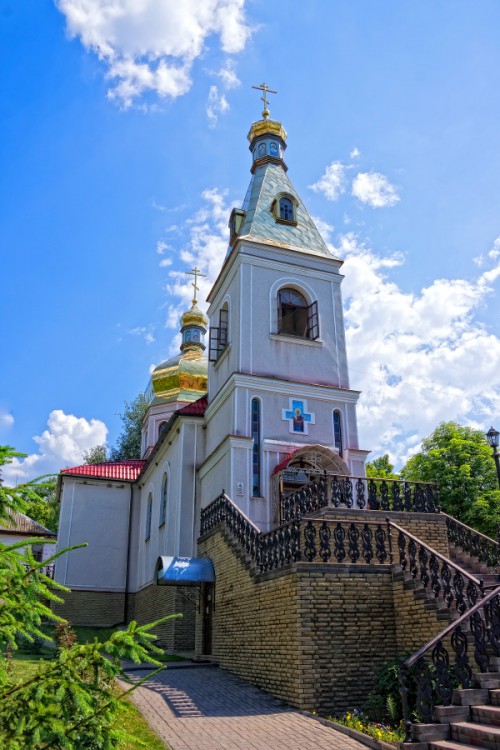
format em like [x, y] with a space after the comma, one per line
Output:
[492, 437]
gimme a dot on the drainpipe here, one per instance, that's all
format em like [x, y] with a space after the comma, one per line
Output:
[127, 572]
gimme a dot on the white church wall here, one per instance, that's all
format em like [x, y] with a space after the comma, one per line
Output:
[95, 512]
[176, 459]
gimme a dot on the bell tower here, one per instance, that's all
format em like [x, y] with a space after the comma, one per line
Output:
[278, 375]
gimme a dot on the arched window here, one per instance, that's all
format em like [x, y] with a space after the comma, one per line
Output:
[255, 416]
[286, 209]
[337, 431]
[163, 500]
[295, 316]
[149, 515]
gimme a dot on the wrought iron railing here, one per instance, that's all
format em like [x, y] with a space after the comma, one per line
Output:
[444, 663]
[336, 490]
[449, 582]
[473, 542]
[306, 540]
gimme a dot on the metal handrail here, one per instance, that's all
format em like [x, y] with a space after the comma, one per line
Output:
[470, 612]
[326, 473]
[469, 528]
[247, 519]
[445, 559]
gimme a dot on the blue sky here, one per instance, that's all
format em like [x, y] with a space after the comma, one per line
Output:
[123, 148]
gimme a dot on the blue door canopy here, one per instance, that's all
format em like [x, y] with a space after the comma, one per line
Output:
[184, 571]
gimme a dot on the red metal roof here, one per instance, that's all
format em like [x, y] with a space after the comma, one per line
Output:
[284, 462]
[125, 470]
[196, 409]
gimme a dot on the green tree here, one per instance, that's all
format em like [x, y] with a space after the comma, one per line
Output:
[128, 445]
[71, 703]
[43, 506]
[459, 459]
[98, 454]
[381, 467]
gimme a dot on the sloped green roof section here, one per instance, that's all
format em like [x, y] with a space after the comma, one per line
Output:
[260, 224]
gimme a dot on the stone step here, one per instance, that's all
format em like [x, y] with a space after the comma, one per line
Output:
[450, 745]
[486, 737]
[486, 679]
[470, 697]
[445, 714]
[486, 715]
[428, 732]
[495, 697]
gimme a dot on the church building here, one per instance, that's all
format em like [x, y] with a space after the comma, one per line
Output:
[272, 393]
[249, 511]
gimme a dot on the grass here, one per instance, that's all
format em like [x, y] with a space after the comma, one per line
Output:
[132, 721]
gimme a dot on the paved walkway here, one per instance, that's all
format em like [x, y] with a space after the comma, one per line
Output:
[206, 708]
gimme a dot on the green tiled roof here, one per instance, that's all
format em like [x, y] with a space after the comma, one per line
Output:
[260, 224]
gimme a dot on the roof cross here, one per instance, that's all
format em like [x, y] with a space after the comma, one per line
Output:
[265, 88]
[195, 272]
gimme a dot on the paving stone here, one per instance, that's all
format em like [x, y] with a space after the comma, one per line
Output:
[210, 709]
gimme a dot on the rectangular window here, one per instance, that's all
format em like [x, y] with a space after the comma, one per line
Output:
[313, 321]
[219, 337]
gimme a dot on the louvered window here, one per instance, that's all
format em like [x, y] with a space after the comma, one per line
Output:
[295, 316]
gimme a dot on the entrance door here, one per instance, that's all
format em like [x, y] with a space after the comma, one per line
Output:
[207, 606]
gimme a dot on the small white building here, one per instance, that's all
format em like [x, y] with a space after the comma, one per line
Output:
[273, 393]
[22, 528]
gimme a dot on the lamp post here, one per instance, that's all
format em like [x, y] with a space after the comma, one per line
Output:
[492, 437]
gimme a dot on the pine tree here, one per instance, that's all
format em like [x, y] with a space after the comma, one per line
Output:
[72, 702]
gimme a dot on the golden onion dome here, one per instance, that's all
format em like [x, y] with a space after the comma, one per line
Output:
[181, 378]
[185, 376]
[266, 127]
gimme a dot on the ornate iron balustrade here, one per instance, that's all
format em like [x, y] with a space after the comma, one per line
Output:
[448, 581]
[473, 542]
[444, 663]
[314, 540]
[336, 490]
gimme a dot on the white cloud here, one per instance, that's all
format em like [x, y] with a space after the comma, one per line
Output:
[61, 445]
[419, 358]
[145, 333]
[150, 45]
[217, 104]
[161, 247]
[323, 228]
[355, 153]
[6, 420]
[332, 183]
[206, 249]
[374, 189]
[165, 262]
[228, 76]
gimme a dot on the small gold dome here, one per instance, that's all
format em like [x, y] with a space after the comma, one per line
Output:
[266, 126]
[194, 317]
[181, 378]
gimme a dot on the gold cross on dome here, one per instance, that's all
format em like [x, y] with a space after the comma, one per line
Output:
[195, 272]
[265, 88]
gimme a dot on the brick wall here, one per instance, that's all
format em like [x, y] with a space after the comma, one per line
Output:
[315, 635]
[101, 608]
[154, 602]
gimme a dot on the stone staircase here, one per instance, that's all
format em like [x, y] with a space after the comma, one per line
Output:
[473, 719]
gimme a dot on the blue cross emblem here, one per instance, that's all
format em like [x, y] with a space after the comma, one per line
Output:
[298, 417]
